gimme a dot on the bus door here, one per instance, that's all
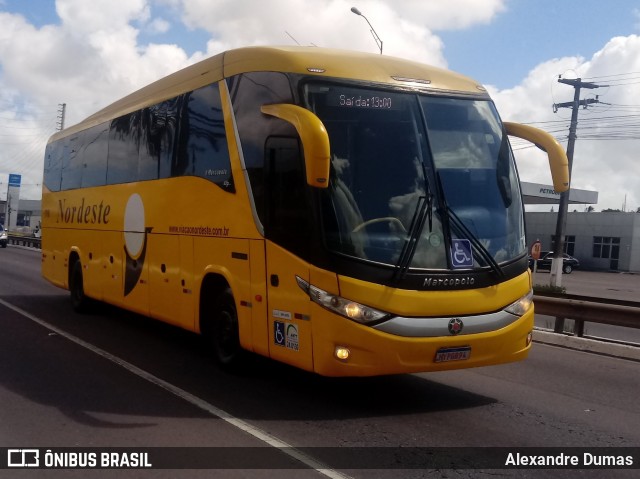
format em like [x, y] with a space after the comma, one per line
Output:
[287, 232]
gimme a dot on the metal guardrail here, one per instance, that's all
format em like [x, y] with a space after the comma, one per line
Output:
[28, 241]
[584, 309]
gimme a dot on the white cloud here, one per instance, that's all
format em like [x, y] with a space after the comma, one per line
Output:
[108, 15]
[158, 26]
[452, 14]
[608, 166]
[406, 28]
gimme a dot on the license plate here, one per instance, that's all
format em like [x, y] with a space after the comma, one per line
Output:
[453, 354]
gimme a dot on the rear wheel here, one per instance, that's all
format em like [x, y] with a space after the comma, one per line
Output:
[79, 301]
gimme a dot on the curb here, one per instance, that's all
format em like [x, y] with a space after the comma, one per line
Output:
[606, 348]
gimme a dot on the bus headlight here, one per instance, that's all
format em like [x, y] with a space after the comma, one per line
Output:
[344, 307]
[521, 306]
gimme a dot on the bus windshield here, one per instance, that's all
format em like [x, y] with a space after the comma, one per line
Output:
[418, 181]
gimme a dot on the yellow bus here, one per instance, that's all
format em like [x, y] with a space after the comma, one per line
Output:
[345, 213]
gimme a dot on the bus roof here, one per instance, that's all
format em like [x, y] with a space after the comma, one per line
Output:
[321, 62]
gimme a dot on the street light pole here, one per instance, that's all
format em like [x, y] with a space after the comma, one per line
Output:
[373, 32]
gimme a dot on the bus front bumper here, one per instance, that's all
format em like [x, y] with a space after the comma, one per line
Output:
[344, 348]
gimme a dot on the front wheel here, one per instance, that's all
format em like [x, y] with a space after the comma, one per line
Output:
[567, 269]
[224, 335]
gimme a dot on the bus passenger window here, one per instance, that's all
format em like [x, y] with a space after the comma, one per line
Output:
[202, 148]
[123, 149]
[165, 130]
[94, 155]
[157, 139]
[248, 92]
[150, 134]
[72, 164]
[53, 165]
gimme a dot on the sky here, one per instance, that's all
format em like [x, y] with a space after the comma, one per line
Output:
[89, 54]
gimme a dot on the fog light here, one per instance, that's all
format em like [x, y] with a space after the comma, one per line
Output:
[529, 338]
[342, 353]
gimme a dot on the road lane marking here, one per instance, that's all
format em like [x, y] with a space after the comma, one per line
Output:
[254, 431]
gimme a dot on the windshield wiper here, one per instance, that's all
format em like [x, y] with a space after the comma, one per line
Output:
[477, 244]
[423, 209]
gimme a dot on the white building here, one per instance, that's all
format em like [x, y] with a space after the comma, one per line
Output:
[607, 241]
[29, 214]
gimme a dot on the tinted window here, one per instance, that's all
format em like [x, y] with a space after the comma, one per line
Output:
[124, 136]
[202, 150]
[94, 155]
[53, 165]
[181, 136]
[164, 134]
[248, 93]
[71, 164]
[158, 131]
[149, 151]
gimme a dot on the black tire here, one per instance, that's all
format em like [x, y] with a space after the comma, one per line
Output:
[567, 269]
[80, 302]
[223, 332]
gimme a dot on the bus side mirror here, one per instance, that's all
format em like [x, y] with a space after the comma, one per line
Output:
[315, 140]
[557, 157]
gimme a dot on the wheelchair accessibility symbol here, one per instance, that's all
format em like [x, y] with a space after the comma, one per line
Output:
[461, 256]
[278, 333]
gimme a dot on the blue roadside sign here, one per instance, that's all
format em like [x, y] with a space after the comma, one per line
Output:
[14, 180]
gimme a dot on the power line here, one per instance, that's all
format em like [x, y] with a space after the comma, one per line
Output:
[603, 127]
[614, 75]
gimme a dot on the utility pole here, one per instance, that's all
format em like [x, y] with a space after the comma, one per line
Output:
[558, 247]
[62, 109]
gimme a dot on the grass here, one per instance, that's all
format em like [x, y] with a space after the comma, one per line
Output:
[547, 289]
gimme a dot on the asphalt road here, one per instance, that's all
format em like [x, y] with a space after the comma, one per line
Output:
[114, 379]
